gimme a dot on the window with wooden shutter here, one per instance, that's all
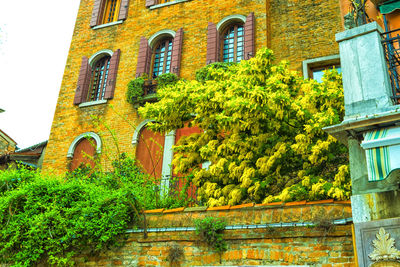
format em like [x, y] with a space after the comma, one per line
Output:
[112, 75]
[144, 58]
[83, 82]
[232, 39]
[177, 52]
[123, 10]
[99, 78]
[212, 43]
[233, 43]
[150, 3]
[159, 54]
[162, 55]
[107, 11]
[249, 36]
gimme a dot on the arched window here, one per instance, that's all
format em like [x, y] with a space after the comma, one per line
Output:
[98, 81]
[159, 54]
[233, 43]
[162, 55]
[232, 39]
[97, 77]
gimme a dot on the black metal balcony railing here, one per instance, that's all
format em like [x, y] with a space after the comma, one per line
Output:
[391, 47]
[149, 88]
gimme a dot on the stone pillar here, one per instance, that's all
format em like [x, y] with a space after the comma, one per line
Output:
[365, 77]
[166, 172]
[368, 106]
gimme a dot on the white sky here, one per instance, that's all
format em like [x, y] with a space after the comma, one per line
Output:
[34, 41]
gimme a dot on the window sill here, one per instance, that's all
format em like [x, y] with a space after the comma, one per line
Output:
[109, 24]
[168, 4]
[92, 103]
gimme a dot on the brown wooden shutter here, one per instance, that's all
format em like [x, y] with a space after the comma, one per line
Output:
[112, 75]
[96, 13]
[249, 29]
[177, 52]
[123, 10]
[212, 44]
[150, 3]
[144, 57]
[83, 82]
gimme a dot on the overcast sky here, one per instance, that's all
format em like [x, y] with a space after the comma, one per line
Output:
[34, 41]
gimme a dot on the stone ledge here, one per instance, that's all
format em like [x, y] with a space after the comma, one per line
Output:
[107, 24]
[293, 212]
[358, 31]
[92, 103]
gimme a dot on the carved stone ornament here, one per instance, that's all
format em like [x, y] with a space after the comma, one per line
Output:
[384, 249]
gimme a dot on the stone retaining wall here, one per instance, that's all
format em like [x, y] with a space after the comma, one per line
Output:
[282, 238]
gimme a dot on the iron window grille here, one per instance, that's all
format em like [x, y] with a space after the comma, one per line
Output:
[162, 57]
[391, 47]
[99, 79]
[233, 44]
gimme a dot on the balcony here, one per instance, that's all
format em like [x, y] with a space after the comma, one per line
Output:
[391, 47]
[148, 91]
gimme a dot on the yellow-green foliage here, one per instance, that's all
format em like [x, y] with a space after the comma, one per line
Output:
[262, 132]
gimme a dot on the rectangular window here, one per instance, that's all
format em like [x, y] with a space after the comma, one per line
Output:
[108, 12]
[317, 73]
[111, 11]
[314, 68]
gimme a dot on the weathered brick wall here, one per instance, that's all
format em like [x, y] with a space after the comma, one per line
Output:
[302, 30]
[296, 30]
[193, 16]
[313, 245]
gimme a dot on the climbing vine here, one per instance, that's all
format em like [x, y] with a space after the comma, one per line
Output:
[261, 130]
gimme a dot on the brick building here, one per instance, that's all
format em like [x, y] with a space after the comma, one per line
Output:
[7, 144]
[115, 41]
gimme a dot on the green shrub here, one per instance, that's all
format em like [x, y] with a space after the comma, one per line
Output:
[166, 79]
[210, 231]
[135, 90]
[211, 71]
[57, 218]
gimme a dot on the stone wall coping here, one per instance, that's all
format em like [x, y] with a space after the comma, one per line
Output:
[251, 205]
[358, 31]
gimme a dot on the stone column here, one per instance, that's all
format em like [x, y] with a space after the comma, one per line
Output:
[365, 77]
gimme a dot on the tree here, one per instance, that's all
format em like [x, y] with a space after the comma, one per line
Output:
[261, 130]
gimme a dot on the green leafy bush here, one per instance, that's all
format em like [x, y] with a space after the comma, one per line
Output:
[210, 231]
[166, 79]
[135, 90]
[177, 196]
[261, 130]
[212, 71]
[57, 218]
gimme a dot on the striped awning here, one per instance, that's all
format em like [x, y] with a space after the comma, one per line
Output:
[382, 150]
[389, 6]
